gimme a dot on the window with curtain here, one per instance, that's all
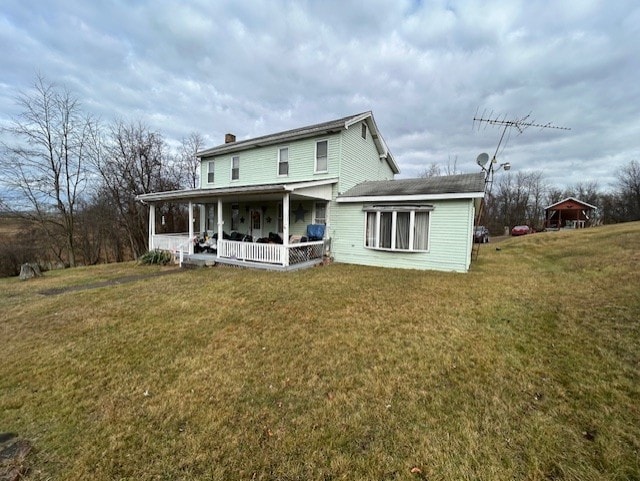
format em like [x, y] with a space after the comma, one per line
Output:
[402, 230]
[421, 231]
[397, 228]
[386, 219]
[370, 229]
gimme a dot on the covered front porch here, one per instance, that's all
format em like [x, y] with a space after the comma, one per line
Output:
[278, 227]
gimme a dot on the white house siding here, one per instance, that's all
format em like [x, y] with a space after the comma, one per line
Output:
[260, 164]
[360, 159]
[449, 239]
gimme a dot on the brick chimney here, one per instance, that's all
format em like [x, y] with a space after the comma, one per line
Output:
[229, 138]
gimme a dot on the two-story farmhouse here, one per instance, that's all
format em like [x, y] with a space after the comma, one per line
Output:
[285, 200]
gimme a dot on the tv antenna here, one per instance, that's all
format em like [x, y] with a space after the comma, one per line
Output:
[519, 123]
[488, 167]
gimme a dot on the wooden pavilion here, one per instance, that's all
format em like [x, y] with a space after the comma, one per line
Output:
[569, 213]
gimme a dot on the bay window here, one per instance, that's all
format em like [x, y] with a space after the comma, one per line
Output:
[397, 228]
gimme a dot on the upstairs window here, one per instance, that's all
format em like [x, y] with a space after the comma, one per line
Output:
[397, 228]
[321, 156]
[283, 161]
[364, 130]
[210, 172]
[235, 168]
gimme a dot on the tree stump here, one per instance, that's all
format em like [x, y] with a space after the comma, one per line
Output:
[28, 271]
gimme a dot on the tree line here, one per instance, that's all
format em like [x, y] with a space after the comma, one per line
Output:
[72, 181]
[520, 198]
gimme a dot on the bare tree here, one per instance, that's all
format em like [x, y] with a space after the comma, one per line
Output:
[452, 166]
[190, 164]
[536, 188]
[45, 164]
[434, 169]
[517, 199]
[133, 161]
[628, 187]
[554, 195]
[585, 191]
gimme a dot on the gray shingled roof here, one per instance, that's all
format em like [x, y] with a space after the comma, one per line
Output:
[450, 184]
[305, 132]
[301, 132]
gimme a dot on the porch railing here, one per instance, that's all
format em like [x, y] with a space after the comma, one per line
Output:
[247, 251]
[271, 253]
[175, 243]
[251, 251]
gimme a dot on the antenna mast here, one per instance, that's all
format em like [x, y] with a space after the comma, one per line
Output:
[518, 123]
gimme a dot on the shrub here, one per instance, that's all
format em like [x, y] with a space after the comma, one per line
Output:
[156, 256]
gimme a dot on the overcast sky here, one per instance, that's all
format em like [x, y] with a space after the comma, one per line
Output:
[423, 67]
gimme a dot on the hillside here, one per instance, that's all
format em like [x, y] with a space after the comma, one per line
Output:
[527, 367]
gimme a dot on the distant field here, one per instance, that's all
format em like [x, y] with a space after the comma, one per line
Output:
[526, 368]
[10, 225]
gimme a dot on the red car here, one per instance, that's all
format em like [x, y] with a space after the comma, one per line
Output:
[520, 230]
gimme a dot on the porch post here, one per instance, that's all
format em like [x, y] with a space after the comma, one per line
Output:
[285, 228]
[152, 224]
[203, 218]
[190, 227]
[220, 226]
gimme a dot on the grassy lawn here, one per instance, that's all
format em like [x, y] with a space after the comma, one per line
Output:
[528, 367]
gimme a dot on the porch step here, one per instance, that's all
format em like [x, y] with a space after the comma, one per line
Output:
[194, 261]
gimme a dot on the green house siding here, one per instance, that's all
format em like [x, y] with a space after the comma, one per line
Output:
[360, 159]
[449, 239]
[260, 165]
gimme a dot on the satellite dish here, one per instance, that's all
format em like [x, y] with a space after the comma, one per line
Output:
[482, 159]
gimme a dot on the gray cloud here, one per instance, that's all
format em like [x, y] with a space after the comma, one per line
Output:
[423, 67]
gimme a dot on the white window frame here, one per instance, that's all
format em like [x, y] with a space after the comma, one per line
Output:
[315, 212]
[211, 171]
[280, 149]
[235, 170]
[363, 131]
[315, 157]
[378, 210]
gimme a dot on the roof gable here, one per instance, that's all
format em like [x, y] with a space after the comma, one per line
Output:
[570, 200]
